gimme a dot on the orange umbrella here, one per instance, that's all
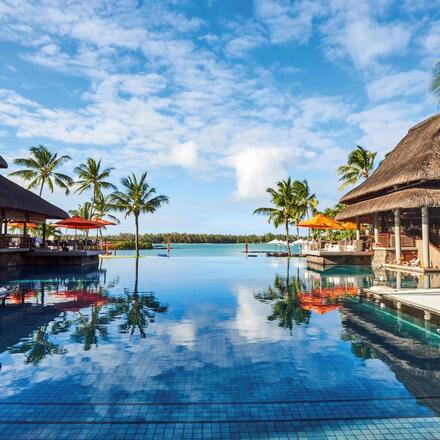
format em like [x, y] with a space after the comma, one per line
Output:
[316, 303]
[320, 221]
[321, 309]
[21, 225]
[348, 225]
[103, 222]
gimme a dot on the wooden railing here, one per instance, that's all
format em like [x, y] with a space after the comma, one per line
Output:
[388, 240]
[14, 241]
[25, 242]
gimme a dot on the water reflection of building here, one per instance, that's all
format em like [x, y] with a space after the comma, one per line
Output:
[341, 277]
[45, 305]
[38, 297]
[402, 280]
[410, 349]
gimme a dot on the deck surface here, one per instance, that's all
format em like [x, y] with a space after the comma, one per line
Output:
[422, 299]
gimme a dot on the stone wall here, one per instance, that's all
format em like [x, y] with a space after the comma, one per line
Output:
[11, 259]
[333, 260]
[383, 256]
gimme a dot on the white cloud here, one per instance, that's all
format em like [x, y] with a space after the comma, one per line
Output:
[431, 39]
[157, 89]
[408, 83]
[185, 155]
[245, 38]
[258, 168]
[251, 321]
[355, 29]
[385, 125]
[288, 20]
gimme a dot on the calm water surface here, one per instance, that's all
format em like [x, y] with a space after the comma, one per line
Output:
[212, 345]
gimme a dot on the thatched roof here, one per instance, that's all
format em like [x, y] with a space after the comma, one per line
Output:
[416, 158]
[14, 197]
[404, 199]
[3, 163]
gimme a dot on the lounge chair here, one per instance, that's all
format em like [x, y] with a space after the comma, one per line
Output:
[4, 293]
[415, 262]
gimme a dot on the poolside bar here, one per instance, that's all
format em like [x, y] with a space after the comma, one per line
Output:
[23, 207]
[401, 201]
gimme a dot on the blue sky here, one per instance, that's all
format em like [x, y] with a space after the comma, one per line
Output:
[216, 99]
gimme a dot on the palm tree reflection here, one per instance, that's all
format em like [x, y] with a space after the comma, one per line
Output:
[91, 321]
[38, 347]
[283, 296]
[89, 326]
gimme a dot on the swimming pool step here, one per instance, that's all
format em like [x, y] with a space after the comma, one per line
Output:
[148, 412]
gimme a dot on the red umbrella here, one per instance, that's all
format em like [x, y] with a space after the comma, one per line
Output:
[77, 222]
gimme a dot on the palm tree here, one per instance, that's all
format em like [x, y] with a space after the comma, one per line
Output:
[138, 198]
[306, 202]
[285, 210]
[436, 81]
[333, 211]
[92, 176]
[360, 162]
[51, 230]
[40, 170]
[85, 211]
[103, 207]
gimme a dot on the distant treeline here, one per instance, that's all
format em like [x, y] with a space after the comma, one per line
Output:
[126, 241]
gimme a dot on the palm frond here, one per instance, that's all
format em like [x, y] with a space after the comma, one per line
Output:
[435, 86]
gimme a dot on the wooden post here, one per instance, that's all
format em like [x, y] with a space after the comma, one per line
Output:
[425, 237]
[397, 236]
[376, 227]
[44, 233]
[358, 229]
[24, 233]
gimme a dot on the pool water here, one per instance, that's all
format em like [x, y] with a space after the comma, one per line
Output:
[212, 346]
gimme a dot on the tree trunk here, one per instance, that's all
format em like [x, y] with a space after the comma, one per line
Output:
[287, 236]
[297, 231]
[41, 187]
[136, 277]
[136, 220]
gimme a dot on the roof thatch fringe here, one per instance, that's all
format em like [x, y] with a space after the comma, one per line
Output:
[14, 197]
[3, 163]
[405, 199]
[415, 158]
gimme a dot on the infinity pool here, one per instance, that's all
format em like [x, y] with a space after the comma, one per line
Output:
[212, 347]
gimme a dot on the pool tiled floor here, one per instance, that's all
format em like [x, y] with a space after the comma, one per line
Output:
[227, 355]
[396, 429]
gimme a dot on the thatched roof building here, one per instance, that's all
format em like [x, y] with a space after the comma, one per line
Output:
[408, 177]
[17, 203]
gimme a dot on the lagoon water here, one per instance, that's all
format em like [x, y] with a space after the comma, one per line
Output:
[210, 250]
[212, 345]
